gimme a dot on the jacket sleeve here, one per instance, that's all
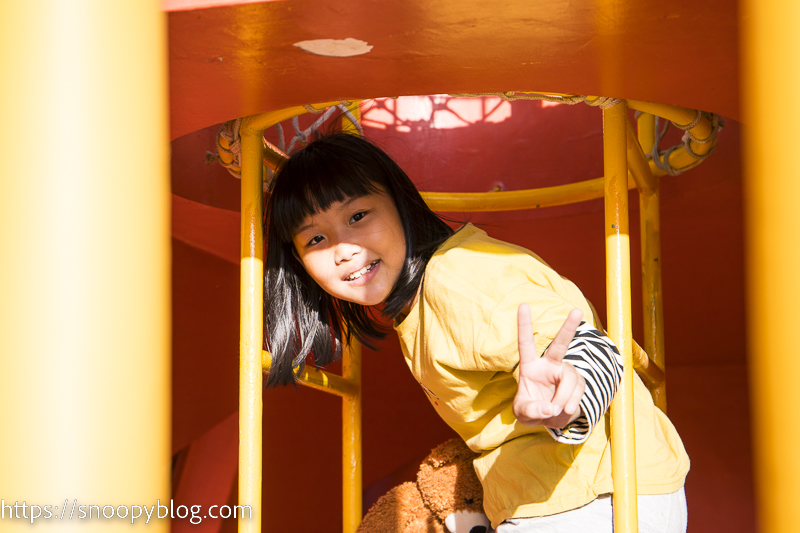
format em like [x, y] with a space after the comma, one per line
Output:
[597, 359]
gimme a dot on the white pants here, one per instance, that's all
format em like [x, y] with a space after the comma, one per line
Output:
[662, 513]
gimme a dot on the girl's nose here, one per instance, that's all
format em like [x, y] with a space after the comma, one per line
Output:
[345, 251]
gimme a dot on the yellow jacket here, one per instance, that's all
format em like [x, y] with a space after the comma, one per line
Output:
[460, 342]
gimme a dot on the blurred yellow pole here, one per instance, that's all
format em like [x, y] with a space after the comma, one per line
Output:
[251, 301]
[618, 293]
[652, 294]
[770, 54]
[351, 442]
[85, 318]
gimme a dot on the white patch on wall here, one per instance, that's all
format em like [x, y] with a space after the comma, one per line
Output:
[335, 47]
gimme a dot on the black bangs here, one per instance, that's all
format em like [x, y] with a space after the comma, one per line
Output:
[322, 174]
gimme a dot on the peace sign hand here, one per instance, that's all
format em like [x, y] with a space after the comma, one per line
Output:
[549, 389]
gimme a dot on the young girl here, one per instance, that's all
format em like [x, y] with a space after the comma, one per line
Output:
[347, 230]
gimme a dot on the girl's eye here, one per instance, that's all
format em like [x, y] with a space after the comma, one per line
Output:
[357, 217]
[314, 240]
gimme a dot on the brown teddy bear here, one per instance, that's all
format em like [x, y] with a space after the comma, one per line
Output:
[447, 497]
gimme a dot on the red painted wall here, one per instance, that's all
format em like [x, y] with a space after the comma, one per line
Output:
[533, 146]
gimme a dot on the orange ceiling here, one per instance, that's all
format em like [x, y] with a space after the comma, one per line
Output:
[237, 60]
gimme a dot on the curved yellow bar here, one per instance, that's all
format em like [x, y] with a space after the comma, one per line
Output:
[679, 158]
[266, 120]
[317, 379]
[590, 189]
[618, 291]
[495, 200]
[320, 380]
[251, 330]
[512, 200]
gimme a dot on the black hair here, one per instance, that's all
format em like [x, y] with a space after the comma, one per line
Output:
[300, 317]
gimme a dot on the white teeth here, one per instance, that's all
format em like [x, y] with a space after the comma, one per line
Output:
[358, 274]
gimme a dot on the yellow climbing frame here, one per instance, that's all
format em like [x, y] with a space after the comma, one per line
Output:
[254, 361]
[625, 167]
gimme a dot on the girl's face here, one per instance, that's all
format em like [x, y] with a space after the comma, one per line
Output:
[354, 250]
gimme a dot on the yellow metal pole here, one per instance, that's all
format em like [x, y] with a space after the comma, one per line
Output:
[351, 442]
[351, 410]
[618, 293]
[85, 318]
[251, 328]
[771, 53]
[652, 295]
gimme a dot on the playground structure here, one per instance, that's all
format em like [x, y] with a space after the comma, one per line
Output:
[245, 153]
[121, 241]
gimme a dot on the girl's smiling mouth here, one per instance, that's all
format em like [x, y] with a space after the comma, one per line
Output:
[358, 274]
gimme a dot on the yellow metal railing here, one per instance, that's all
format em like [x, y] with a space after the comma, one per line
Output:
[625, 167]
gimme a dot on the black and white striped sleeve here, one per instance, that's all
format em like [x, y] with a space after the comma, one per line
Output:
[597, 359]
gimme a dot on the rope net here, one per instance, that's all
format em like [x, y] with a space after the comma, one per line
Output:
[229, 133]
[661, 157]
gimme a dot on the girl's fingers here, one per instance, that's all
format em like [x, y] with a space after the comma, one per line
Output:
[532, 413]
[567, 384]
[558, 348]
[566, 388]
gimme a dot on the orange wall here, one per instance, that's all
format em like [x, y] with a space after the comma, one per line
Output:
[534, 146]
